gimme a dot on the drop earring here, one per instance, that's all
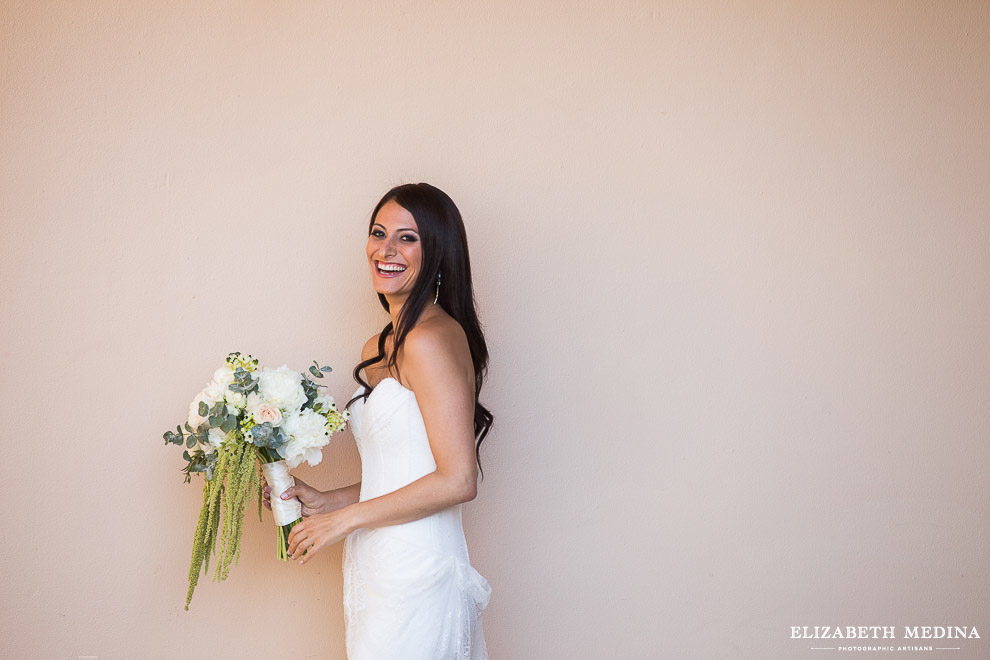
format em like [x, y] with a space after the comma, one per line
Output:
[437, 297]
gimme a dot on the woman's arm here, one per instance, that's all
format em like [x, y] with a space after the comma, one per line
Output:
[317, 501]
[341, 497]
[436, 362]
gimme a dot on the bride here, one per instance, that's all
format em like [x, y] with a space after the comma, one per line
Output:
[409, 588]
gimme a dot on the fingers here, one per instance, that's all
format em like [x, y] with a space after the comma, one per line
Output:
[298, 540]
[296, 491]
[267, 497]
[309, 552]
[288, 493]
[303, 543]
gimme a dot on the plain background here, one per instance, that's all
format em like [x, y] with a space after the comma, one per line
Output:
[732, 258]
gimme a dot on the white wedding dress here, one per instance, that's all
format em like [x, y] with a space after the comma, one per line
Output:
[410, 591]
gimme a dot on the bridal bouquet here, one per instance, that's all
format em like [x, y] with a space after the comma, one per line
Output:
[246, 416]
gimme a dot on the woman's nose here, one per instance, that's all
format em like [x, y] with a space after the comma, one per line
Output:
[387, 249]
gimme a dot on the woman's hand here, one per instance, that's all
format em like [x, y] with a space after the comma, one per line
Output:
[313, 500]
[318, 531]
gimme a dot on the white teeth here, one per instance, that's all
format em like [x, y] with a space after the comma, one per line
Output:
[391, 268]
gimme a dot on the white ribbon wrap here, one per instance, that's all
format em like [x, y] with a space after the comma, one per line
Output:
[278, 477]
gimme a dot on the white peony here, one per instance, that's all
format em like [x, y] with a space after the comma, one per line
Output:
[282, 387]
[307, 435]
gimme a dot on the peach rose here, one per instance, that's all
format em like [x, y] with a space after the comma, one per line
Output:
[267, 413]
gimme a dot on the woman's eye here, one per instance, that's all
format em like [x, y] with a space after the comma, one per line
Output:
[377, 233]
[409, 238]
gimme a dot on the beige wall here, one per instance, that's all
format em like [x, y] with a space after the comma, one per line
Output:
[733, 260]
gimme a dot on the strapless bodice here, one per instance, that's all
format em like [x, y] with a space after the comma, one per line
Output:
[395, 451]
[391, 438]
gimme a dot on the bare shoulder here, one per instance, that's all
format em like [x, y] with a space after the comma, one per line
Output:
[375, 371]
[370, 349]
[437, 348]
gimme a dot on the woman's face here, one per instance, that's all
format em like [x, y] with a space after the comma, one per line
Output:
[395, 253]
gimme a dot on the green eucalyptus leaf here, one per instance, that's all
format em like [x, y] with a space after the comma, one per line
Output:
[203, 409]
[278, 437]
[229, 424]
[190, 442]
[261, 435]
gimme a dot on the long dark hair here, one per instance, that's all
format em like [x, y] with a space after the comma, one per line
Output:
[445, 254]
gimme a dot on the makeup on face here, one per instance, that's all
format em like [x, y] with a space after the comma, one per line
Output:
[394, 250]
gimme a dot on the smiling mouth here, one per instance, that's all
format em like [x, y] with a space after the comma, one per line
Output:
[386, 269]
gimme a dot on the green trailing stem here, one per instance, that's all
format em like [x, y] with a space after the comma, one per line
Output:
[197, 560]
[261, 493]
[225, 497]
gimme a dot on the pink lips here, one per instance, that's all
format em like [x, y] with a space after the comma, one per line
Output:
[388, 273]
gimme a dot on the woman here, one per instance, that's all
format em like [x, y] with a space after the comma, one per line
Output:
[409, 588]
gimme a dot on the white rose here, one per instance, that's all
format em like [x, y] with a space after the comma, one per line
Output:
[216, 438]
[213, 393]
[194, 419]
[235, 399]
[223, 376]
[253, 401]
[282, 388]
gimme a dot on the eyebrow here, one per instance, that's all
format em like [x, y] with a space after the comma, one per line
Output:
[377, 224]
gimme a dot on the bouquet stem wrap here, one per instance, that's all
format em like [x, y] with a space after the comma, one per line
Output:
[285, 512]
[277, 475]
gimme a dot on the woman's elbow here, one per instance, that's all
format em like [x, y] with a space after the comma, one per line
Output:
[463, 488]
[469, 491]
